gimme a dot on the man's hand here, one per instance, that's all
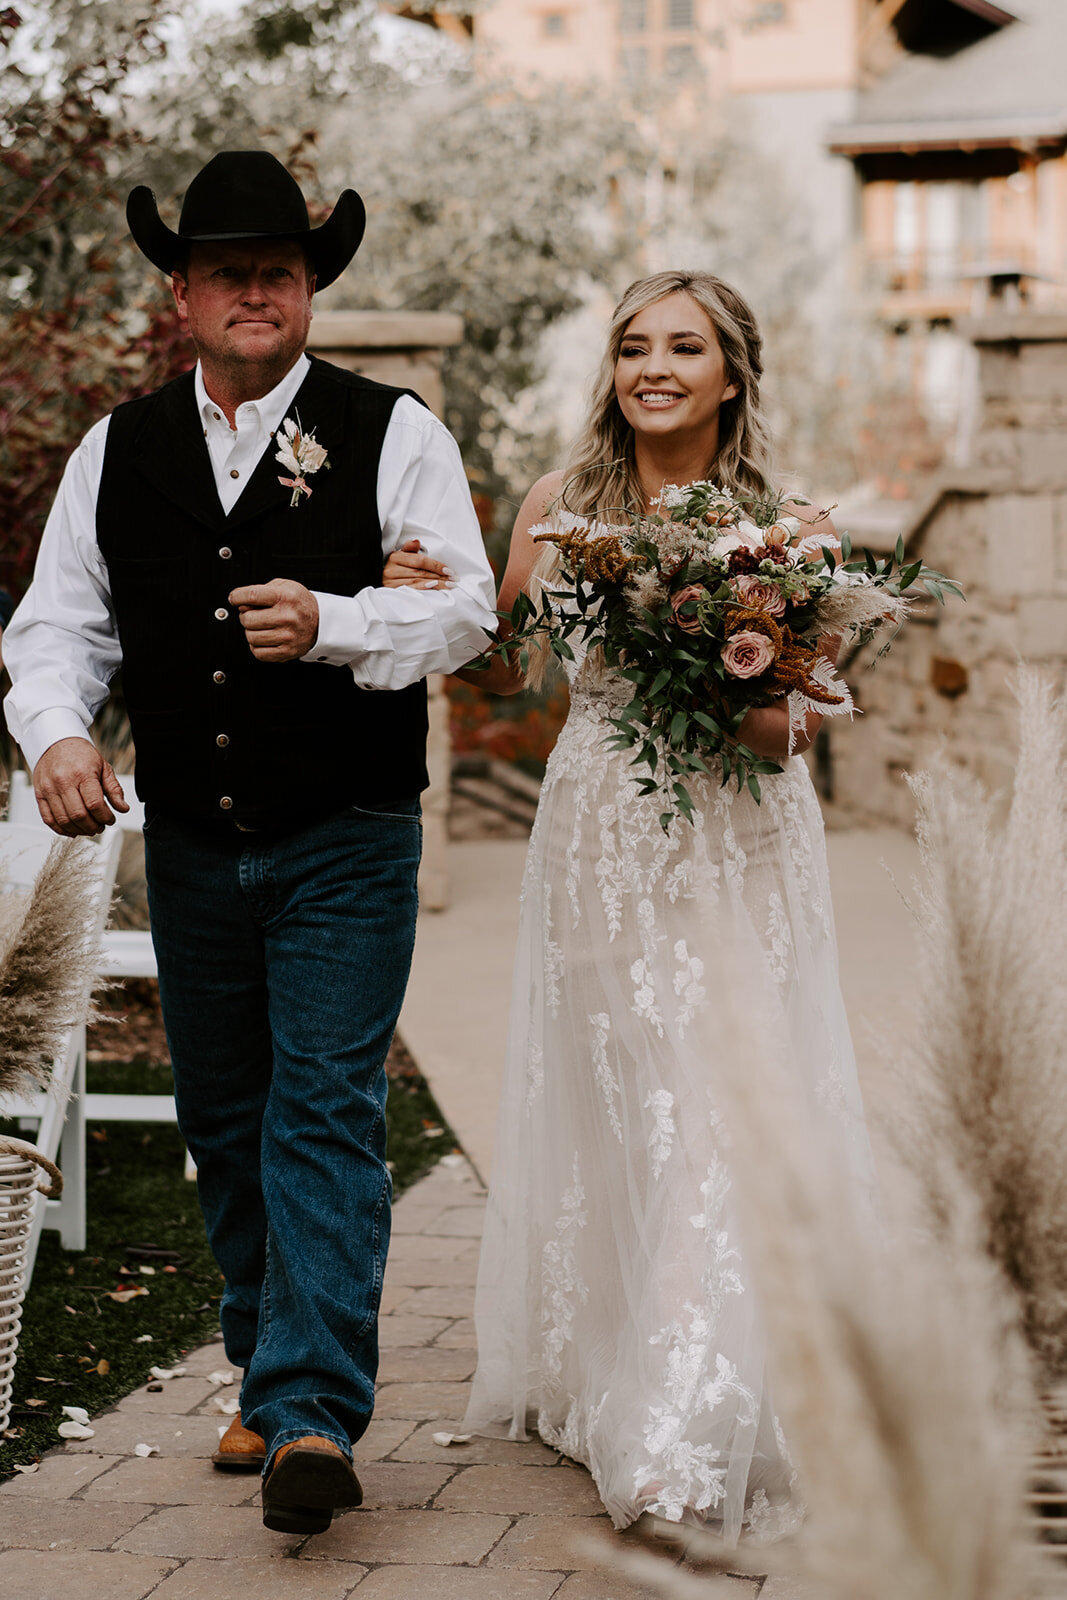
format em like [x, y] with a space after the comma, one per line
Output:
[280, 619]
[73, 784]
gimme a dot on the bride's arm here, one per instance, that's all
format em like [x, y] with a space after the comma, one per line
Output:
[410, 567]
[765, 729]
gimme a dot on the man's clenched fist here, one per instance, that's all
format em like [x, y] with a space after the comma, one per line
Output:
[280, 619]
[73, 784]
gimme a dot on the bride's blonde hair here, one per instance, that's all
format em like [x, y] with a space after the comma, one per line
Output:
[601, 478]
[601, 475]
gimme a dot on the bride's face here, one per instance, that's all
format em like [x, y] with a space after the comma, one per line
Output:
[670, 375]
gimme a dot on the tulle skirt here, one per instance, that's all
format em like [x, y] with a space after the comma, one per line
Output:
[614, 1309]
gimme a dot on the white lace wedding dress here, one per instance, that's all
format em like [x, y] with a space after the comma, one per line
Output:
[614, 1309]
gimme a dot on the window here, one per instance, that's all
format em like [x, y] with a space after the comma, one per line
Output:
[765, 13]
[680, 14]
[905, 221]
[942, 231]
[633, 16]
[553, 24]
[635, 63]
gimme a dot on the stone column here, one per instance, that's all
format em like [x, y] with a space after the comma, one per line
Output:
[999, 525]
[404, 348]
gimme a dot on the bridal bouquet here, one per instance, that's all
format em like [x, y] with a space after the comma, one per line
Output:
[710, 606]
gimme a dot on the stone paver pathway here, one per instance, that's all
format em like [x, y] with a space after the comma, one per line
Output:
[489, 1520]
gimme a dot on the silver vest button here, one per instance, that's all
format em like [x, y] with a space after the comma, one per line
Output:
[225, 552]
[226, 804]
[222, 740]
[222, 613]
[218, 677]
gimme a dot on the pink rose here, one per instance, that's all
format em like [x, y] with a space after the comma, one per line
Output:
[747, 654]
[752, 591]
[692, 591]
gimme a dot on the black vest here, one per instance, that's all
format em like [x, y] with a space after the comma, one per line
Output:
[220, 737]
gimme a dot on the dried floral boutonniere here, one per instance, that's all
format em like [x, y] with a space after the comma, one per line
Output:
[302, 454]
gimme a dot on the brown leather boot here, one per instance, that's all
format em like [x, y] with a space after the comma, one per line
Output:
[240, 1450]
[308, 1480]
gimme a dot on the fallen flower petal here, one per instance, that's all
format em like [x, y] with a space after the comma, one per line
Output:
[220, 1377]
[74, 1430]
[31, 1467]
[163, 1373]
[76, 1413]
[452, 1438]
[229, 1405]
[122, 1295]
[146, 1450]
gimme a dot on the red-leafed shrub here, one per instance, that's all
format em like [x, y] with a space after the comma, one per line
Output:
[521, 728]
[82, 325]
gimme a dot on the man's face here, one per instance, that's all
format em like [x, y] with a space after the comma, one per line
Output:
[247, 304]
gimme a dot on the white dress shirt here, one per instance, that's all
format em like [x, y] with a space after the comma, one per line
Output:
[61, 647]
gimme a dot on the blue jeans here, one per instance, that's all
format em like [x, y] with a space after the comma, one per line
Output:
[283, 960]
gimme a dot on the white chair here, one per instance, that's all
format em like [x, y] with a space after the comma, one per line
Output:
[127, 953]
[59, 1113]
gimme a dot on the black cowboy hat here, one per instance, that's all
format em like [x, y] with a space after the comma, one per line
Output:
[247, 194]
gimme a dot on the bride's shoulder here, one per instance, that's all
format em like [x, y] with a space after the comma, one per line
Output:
[545, 492]
[538, 503]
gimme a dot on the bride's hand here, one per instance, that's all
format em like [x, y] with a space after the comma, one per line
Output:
[410, 568]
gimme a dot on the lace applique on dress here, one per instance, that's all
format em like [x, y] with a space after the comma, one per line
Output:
[578, 1425]
[779, 937]
[697, 1381]
[606, 1079]
[688, 984]
[661, 1138]
[553, 956]
[535, 1069]
[722, 1274]
[767, 1521]
[562, 1287]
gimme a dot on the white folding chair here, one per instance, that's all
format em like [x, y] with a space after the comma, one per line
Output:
[127, 953]
[60, 1112]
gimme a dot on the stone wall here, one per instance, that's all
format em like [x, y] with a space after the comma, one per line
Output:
[998, 525]
[404, 348]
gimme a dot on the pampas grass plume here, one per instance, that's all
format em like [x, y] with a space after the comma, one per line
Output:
[986, 1075]
[899, 1380]
[49, 957]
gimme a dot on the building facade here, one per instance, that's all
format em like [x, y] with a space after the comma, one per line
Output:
[958, 140]
[924, 141]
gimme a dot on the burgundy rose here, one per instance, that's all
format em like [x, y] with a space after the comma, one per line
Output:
[747, 654]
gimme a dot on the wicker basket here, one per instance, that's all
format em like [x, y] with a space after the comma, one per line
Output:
[20, 1180]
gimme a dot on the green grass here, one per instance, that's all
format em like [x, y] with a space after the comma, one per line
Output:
[142, 1212]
